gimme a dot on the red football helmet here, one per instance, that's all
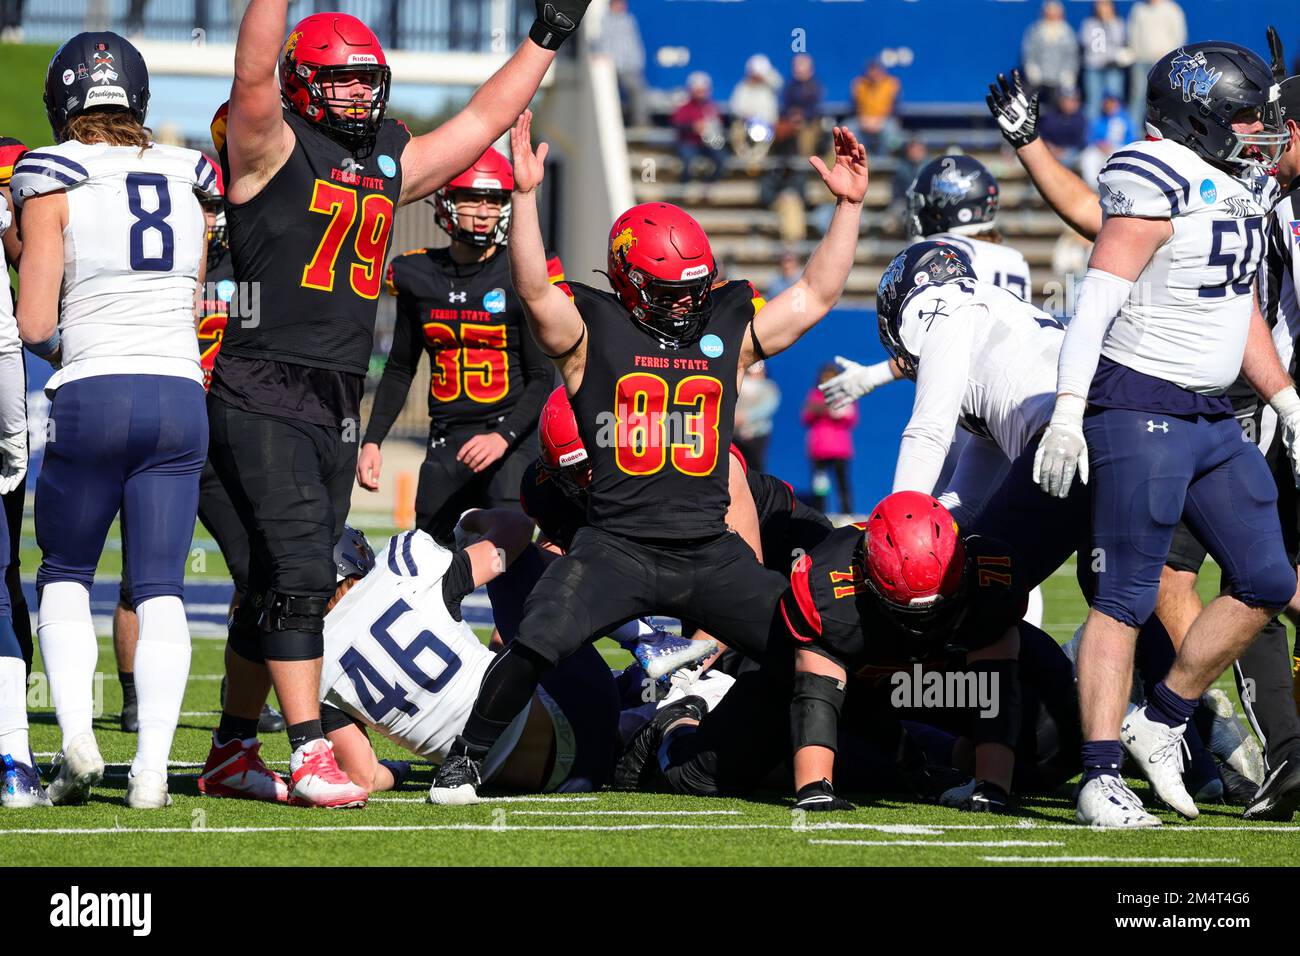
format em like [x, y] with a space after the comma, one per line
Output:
[491, 177]
[915, 562]
[661, 267]
[218, 238]
[319, 49]
[563, 455]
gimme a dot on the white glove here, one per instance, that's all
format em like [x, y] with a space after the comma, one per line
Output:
[1287, 405]
[855, 381]
[13, 461]
[1062, 449]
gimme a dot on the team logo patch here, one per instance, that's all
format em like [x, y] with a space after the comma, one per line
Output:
[69, 77]
[1115, 203]
[1208, 191]
[82, 72]
[711, 346]
[889, 280]
[950, 186]
[292, 43]
[1295, 230]
[387, 165]
[623, 243]
[495, 301]
[1194, 75]
[226, 289]
[101, 68]
[107, 96]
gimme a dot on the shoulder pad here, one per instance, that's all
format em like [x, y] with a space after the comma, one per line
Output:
[1145, 180]
[390, 276]
[47, 170]
[414, 554]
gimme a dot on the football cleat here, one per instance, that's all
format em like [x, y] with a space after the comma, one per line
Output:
[1279, 796]
[664, 653]
[642, 749]
[1231, 740]
[457, 782]
[1107, 803]
[147, 790]
[1158, 750]
[76, 769]
[1238, 791]
[235, 769]
[22, 786]
[318, 781]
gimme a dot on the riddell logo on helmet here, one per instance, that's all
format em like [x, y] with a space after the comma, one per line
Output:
[355, 59]
[484, 183]
[573, 457]
[695, 272]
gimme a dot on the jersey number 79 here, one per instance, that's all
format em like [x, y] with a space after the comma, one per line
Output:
[340, 203]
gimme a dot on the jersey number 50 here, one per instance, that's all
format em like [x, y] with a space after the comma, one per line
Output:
[646, 430]
[366, 274]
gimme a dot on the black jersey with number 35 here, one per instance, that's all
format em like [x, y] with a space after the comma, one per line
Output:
[656, 421]
[313, 244]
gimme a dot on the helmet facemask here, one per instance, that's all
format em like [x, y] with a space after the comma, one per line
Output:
[674, 312]
[358, 122]
[448, 219]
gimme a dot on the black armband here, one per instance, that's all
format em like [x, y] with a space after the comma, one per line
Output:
[999, 722]
[571, 349]
[815, 711]
[758, 348]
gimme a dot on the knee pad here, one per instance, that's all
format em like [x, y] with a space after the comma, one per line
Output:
[244, 635]
[293, 627]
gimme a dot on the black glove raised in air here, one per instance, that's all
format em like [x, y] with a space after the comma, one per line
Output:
[557, 20]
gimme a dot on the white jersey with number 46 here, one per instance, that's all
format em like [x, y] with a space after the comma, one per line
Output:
[395, 658]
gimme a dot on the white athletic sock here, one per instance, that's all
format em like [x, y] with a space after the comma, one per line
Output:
[13, 709]
[70, 652]
[162, 667]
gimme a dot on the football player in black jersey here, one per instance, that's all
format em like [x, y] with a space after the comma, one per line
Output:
[489, 379]
[661, 355]
[315, 173]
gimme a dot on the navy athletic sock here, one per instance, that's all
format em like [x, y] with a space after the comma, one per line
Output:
[302, 734]
[1101, 758]
[235, 728]
[1168, 708]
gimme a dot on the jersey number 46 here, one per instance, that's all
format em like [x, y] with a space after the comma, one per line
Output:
[377, 696]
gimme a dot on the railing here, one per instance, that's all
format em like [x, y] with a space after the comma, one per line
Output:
[482, 26]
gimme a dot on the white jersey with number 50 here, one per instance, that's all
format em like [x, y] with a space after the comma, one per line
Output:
[131, 254]
[1187, 316]
[395, 658]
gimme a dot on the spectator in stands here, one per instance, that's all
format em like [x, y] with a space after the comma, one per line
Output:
[830, 444]
[1113, 127]
[790, 270]
[909, 164]
[875, 94]
[755, 108]
[698, 122]
[1064, 128]
[1050, 52]
[801, 105]
[756, 405]
[1154, 28]
[1104, 55]
[620, 40]
[11, 21]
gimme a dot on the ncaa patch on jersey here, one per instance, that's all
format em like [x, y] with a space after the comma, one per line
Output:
[1295, 230]
[711, 346]
[226, 289]
[387, 165]
[495, 301]
[1208, 191]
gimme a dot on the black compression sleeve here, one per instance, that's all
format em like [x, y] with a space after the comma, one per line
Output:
[457, 583]
[539, 380]
[398, 372]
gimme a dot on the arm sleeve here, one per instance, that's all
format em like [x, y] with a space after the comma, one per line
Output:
[398, 372]
[1100, 297]
[980, 470]
[457, 583]
[940, 385]
[539, 376]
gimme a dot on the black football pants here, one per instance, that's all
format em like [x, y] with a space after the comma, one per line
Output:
[448, 487]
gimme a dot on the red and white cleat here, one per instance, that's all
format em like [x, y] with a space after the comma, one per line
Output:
[318, 781]
[235, 769]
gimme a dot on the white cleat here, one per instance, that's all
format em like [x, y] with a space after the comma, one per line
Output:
[1106, 803]
[1158, 750]
[666, 653]
[78, 768]
[1231, 740]
[147, 790]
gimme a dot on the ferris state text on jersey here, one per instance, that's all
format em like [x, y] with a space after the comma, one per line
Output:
[315, 240]
[656, 421]
[471, 323]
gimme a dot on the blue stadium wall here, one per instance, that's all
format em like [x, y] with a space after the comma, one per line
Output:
[958, 45]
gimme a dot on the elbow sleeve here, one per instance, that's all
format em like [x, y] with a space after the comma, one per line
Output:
[1101, 295]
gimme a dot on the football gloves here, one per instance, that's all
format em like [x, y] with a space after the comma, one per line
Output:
[1287, 405]
[1016, 113]
[13, 461]
[557, 20]
[977, 796]
[854, 381]
[1062, 450]
[820, 797]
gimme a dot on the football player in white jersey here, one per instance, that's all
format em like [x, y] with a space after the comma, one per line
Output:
[1166, 318]
[113, 257]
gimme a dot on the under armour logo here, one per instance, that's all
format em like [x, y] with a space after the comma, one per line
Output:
[1152, 426]
[1130, 739]
[457, 296]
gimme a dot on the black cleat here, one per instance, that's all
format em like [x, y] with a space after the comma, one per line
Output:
[1238, 789]
[457, 782]
[1279, 795]
[642, 748]
[130, 717]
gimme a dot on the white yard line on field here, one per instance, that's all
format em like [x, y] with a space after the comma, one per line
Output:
[945, 843]
[627, 813]
[1110, 859]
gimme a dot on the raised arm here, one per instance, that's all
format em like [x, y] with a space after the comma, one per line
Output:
[782, 321]
[434, 158]
[259, 140]
[940, 386]
[553, 319]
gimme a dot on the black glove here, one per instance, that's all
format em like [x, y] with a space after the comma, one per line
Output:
[983, 797]
[1017, 114]
[557, 20]
[1278, 55]
[820, 796]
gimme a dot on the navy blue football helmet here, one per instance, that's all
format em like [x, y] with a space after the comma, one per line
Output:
[951, 192]
[95, 71]
[1196, 92]
[353, 556]
[916, 266]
